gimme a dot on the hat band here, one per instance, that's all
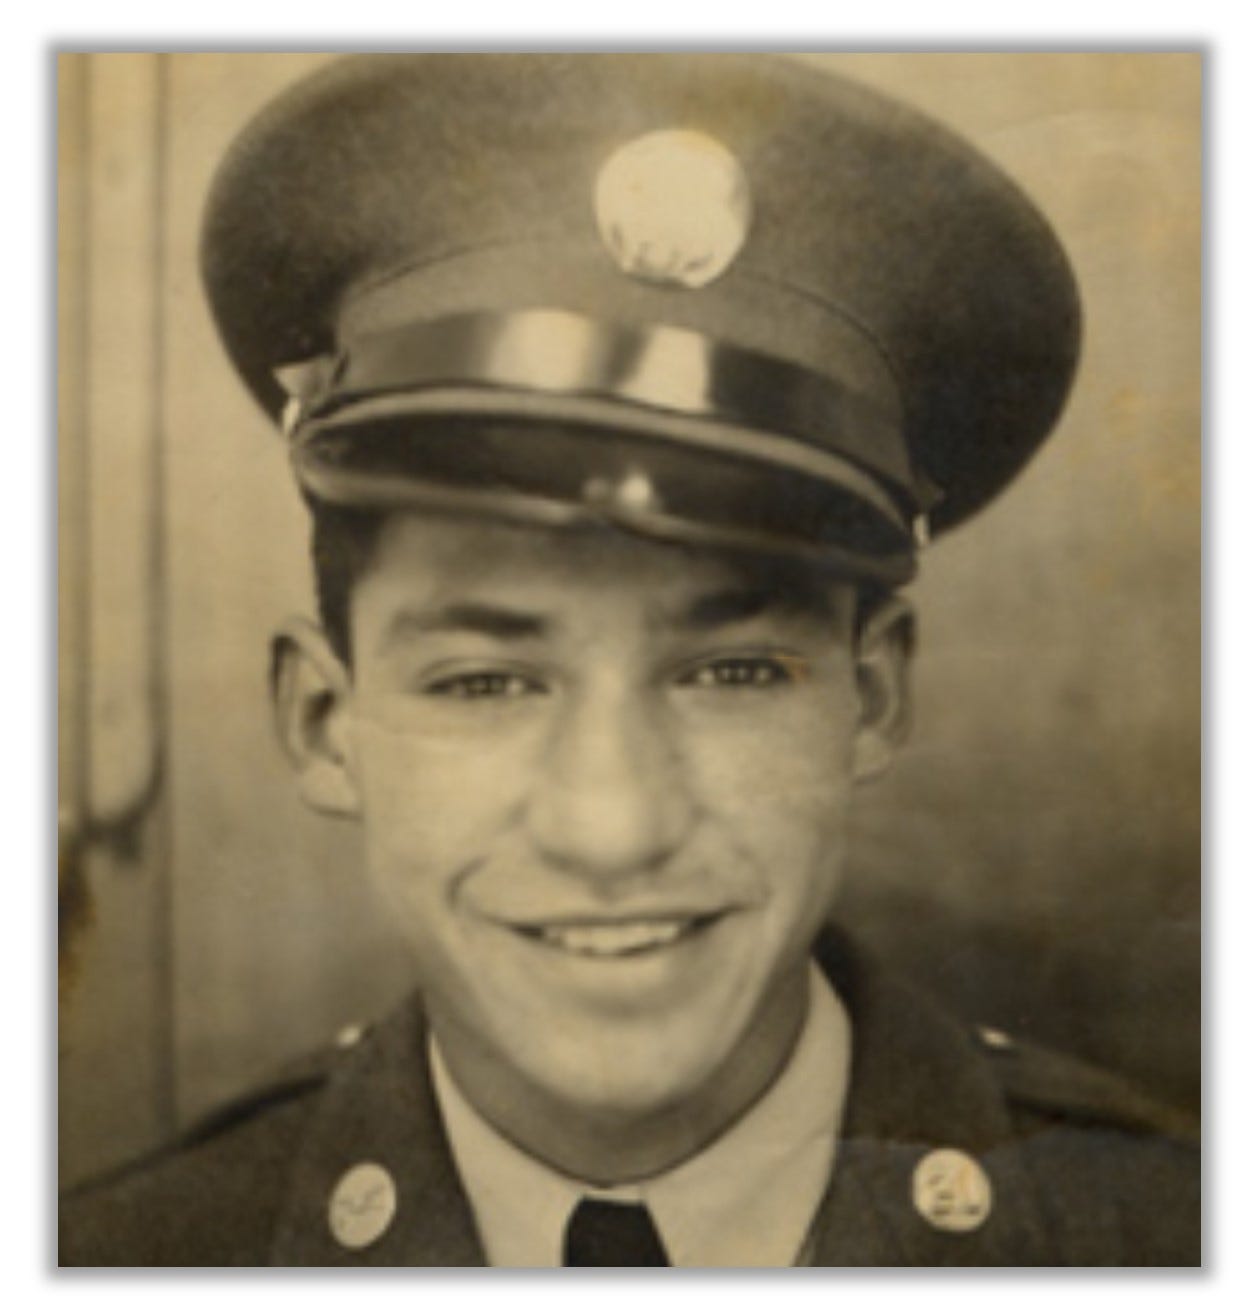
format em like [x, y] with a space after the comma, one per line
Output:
[807, 419]
[368, 488]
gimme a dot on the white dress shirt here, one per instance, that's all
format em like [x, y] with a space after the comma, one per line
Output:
[747, 1201]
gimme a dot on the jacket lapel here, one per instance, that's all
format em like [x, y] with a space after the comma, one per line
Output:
[380, 1109]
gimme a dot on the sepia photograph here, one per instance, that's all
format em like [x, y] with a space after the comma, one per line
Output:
[628, 659]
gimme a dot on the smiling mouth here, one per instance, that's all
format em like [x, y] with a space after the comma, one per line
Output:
[619, 939]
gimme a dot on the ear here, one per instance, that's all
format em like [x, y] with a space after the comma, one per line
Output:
[310, 692]
[883, 652]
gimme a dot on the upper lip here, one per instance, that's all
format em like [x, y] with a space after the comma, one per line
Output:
[621, 917]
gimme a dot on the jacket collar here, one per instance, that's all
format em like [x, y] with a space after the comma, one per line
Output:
[918, 1084]
[379, 1108]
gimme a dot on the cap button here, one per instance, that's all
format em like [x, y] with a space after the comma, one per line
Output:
[994, 1038]
[633, 491]
[362, 1206]
[951, 1191]
[348, 1036]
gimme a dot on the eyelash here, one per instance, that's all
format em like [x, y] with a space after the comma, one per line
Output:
[474, 685]
[741, 673]
[728, 673]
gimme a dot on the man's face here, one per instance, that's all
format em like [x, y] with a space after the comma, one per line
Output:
[604, 785]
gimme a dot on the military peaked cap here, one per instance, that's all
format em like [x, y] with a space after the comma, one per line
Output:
[719, 298]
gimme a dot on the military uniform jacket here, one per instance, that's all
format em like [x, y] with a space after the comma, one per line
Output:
[1082, 1170]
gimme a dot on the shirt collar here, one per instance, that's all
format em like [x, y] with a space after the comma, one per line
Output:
[746, 1201]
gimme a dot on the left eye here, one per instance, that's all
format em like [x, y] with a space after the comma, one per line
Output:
[739, 673]
[484, 684]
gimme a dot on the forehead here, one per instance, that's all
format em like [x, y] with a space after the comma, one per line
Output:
[426, 558]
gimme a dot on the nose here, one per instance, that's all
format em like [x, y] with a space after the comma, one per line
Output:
[610, 799]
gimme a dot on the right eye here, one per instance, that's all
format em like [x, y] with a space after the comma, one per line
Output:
[490, 684]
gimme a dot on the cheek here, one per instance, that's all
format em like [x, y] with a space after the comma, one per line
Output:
[778, 792]
[792, 760]
[430, 806]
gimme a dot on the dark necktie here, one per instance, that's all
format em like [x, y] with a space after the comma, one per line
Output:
[608, 1234]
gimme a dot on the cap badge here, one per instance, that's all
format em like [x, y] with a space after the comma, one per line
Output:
[673, 207]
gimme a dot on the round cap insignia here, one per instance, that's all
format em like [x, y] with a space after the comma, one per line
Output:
[673, 207]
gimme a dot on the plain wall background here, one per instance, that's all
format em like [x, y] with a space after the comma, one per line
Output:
[1034, 856]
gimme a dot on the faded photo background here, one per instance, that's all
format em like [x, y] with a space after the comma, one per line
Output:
[1034, 855]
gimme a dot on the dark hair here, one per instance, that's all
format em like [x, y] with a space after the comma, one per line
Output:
[343, 542]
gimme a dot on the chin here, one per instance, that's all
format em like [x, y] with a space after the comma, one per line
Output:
[624, 1097]
[622, 1078]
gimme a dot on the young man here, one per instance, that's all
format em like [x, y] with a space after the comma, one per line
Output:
[622, 390]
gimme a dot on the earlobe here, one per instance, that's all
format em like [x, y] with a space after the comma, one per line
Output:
[883, 656]
[310, 691]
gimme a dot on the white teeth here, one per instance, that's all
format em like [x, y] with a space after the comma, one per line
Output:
[610, 940]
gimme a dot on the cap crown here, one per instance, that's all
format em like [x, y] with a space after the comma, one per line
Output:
[878, 254]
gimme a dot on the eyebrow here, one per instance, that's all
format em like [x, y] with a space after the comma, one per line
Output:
[492, 621]
[732, 606]
[710, 611]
